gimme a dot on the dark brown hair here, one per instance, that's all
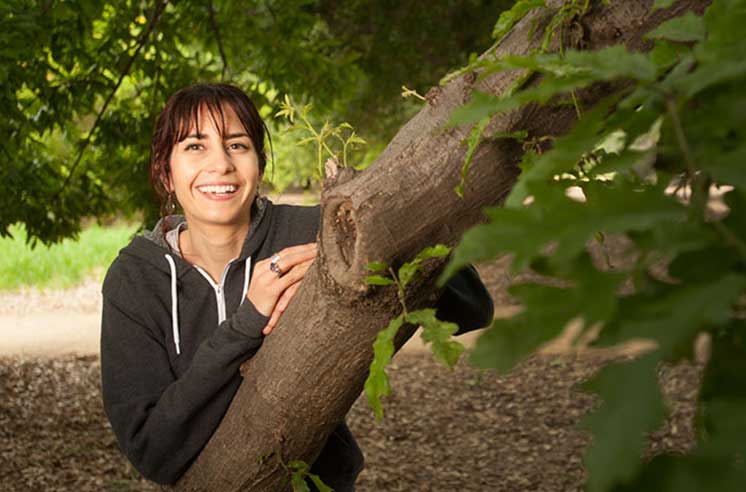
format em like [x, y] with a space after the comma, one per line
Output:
[182, 113]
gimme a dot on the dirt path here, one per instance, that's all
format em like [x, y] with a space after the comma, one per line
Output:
[36, 323]
[60, 323]
[51, 323]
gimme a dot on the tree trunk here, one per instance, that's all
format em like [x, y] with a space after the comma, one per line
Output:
[312, 368]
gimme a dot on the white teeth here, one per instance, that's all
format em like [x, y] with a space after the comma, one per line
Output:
[218, 188]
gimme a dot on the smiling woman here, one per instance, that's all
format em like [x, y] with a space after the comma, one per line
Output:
[215, 171]
[186, 304]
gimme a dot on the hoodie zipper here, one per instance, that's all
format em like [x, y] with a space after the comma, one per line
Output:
[218, 288]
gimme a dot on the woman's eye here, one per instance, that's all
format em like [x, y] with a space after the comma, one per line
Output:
[193, 146]
[238, 146]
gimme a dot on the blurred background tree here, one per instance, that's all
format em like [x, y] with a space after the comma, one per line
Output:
[82, 81]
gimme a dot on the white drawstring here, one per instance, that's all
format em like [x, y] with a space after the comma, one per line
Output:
[174, 304]
[246, 275]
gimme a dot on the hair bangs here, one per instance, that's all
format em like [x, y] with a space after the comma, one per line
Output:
[188, 116]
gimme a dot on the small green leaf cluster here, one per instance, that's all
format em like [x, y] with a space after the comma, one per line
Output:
[661, 163]
[434, 331]
[299, 472]
[323, 139]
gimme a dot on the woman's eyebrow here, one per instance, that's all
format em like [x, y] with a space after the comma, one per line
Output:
[198, 136]
[236, 135]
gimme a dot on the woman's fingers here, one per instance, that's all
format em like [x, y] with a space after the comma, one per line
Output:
[280, 307]
[271, 323]
[286, 296]
[289, 257]
[267, 287]
[295, 274]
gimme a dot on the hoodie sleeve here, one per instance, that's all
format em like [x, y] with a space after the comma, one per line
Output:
[465, 301]
[162, 422]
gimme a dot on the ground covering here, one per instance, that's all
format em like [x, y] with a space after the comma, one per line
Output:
[443, 430]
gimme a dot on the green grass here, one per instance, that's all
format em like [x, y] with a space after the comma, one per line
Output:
[61, 265]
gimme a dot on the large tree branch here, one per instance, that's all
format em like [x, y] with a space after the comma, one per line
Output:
[312, 368]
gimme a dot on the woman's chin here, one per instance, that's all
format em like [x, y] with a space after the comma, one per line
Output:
[235, 217]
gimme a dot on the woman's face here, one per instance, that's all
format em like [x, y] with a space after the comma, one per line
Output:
[215, 176]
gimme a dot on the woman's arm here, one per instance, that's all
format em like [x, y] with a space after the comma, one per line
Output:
[161, 422]
[465, 301]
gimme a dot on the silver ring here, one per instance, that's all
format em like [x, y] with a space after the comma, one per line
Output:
[274, 265]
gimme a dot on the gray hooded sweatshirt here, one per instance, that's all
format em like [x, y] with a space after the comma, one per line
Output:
[172, 342]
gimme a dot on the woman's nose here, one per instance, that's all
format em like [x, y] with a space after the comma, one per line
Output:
[220, 161]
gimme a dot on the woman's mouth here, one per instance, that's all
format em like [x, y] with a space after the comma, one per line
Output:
[218, 191]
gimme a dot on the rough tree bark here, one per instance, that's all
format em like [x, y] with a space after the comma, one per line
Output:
[312, 368]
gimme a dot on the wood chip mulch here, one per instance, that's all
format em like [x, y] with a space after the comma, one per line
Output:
[465, 430]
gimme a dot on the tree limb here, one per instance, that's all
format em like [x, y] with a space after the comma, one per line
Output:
[310, 371]
[214, 26]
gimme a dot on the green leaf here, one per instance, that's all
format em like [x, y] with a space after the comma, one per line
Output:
[714, 464]
[407, 272]
[547, 310]
[675, 473]
[723, 395]
[298, 471]
[438, 333]
[437, 251]
[688, 27]
[378, 280]
[632, 407]
[377, 384]
[736, 219]
[299, 466]
[376, 266]
[480, 106]
[508, 18]
[320, 485]
[519, 135]
[708, 75]
[678, 240]
[475, 136]
[676, 314]
[665, 54]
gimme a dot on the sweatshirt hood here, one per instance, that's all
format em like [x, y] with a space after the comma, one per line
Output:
[151, 246]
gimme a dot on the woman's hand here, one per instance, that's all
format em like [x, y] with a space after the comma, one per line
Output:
[271, 293]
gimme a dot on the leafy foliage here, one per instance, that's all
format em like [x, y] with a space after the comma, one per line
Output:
[647, 163]
[343, 134]
[377, 383]
[434, 331]
[438, 333]
[83, 81]
[508, 18]
[299, 473]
